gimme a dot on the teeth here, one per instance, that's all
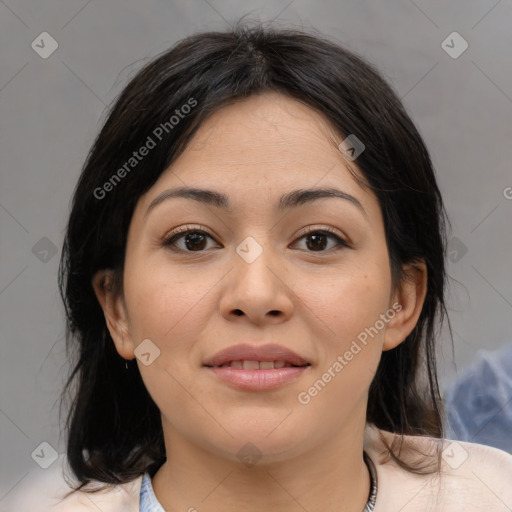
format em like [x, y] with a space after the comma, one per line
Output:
[257, 365]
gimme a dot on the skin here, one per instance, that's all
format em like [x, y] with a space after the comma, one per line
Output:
[315, 302]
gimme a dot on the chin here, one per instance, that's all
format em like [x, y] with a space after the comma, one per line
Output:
[260, 442]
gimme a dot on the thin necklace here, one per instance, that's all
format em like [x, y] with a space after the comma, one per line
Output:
[370, 504]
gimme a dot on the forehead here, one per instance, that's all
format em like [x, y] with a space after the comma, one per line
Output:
[268, 127]
[262, 146]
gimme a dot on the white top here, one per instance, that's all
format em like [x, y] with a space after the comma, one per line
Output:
[473, 478]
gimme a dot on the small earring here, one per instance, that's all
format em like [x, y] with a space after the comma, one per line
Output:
[126, 364]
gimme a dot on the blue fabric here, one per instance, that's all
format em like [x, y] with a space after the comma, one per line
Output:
[148, 501]
[479, 403]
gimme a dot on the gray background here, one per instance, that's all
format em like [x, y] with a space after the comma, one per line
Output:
[52, 108]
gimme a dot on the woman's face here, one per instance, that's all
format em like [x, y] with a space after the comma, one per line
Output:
[311, 276]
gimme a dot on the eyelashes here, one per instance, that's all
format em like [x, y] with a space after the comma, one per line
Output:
[197, 238]
[181, 233]
[326, 232]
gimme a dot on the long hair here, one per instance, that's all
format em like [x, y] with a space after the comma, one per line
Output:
[114, 428]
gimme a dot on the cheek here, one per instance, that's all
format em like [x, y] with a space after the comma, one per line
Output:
[348, 300]
[350, 353]
[172, 309]
[169, 308]
[165, 304]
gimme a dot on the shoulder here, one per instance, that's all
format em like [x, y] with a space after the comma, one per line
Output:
[478, 473]
[46, 491]
[471, 477]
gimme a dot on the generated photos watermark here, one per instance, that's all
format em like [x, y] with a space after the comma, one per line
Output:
[150, 143]
[304, 397]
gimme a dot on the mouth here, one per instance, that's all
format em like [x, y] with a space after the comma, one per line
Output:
[254, 357]
[257, 368]
[259, 365]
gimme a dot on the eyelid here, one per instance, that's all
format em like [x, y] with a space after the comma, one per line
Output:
[167, 239]
[303, 231]
[312, 229]
[185, 228]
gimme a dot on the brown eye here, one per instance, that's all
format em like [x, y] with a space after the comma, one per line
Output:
[192, 240]
[318, 241]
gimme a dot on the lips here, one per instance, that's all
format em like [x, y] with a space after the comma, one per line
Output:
[259, 368]
[263, 357]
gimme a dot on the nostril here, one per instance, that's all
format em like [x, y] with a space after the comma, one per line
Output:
[238, 312]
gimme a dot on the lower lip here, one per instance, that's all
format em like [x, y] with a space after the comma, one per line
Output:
[258, 380]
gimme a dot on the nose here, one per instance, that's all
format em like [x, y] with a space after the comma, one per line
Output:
[257, 290]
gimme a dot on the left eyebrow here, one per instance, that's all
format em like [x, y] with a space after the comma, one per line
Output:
[289, 200]
[303, 196]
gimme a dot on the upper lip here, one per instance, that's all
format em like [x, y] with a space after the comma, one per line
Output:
[269, 352]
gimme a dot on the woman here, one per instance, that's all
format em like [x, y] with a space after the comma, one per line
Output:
[228, 360]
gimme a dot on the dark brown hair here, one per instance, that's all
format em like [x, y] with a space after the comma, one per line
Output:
[114, 427]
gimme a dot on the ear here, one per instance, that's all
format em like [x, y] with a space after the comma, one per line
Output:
[114, 310]
[410, 295]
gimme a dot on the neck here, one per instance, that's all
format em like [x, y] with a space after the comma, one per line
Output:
[330, 477]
